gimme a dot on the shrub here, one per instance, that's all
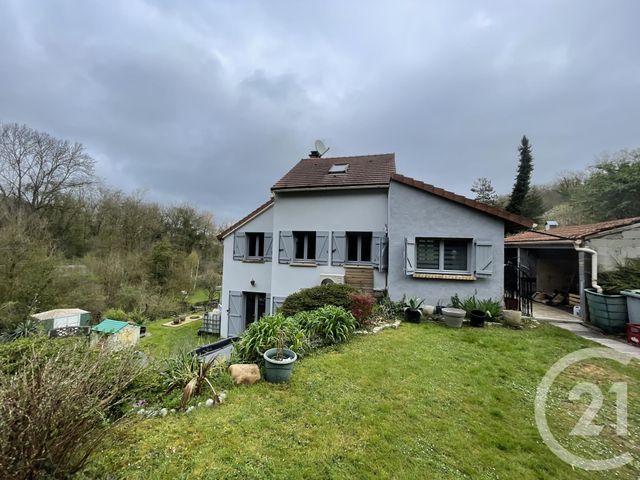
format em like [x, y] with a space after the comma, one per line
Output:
[53, 411]
[362, 306]
[625, 276]
[262, 335]
[332, 324]
[391, 310]
[137, 317]
[27, 328]
[116, 314]
[16, 355]
[492, 307]
[312, 298]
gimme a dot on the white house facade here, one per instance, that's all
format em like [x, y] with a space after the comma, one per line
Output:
[354, 220]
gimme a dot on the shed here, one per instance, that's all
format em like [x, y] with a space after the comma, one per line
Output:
[115, 334]
[552, 260]
[63, 317]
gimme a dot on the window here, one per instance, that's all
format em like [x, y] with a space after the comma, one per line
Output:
[304, 245]
[359, 246]
[339, 168]
[255, 245]
[450, 255]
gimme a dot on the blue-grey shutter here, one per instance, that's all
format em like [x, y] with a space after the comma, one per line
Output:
[409, 256]
[322, 248]
[277, 303]
[338, 248]
[268, 246]
[267, 305]
[484, 259]
[285, 246]
[235, 320]
[239, 245]
[378, 250]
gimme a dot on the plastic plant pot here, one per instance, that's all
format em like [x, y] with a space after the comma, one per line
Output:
[278, 371]
[453, 317]
[477, 318]
[412, 315]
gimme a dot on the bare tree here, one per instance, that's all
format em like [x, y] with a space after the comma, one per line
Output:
[35, 168]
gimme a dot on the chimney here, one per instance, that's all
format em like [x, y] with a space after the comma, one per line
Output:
[314, 154]
[550, 224]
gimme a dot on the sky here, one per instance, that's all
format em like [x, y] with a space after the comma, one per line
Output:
[211, 102]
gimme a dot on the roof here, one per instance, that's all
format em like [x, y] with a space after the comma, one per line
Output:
[109, 326]
[512, 219]
[58, 313]
[571, 232]
[363, 171]
[228, 231]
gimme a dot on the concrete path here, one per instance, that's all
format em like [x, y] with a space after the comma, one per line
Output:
[585, 332]
[562, 319]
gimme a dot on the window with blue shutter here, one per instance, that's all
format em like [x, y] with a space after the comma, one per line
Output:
[285, 247]
[338, 248]
[322, 248]
[268, 246]
[409, 255]
[379, 253]
[239, 245]
[484, 259]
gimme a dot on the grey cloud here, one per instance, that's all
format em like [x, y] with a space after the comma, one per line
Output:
[210, 102]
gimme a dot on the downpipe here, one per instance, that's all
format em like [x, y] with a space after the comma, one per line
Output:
[594, 264]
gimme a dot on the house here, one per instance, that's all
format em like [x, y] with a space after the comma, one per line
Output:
[551, 258]
[355, 220]
[63, 317]
[115, 334]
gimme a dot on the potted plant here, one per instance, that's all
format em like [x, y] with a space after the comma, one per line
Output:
[453, 317]
[412, 312]
[278, 362]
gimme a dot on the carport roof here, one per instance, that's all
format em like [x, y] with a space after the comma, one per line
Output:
[569, 233]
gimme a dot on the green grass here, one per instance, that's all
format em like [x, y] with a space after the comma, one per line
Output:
[422, 401]
[199, 296]
[165, 341]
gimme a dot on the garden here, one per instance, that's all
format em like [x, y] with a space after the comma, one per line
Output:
[413, 400]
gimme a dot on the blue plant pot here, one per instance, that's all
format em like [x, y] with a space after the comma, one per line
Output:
[278, 371]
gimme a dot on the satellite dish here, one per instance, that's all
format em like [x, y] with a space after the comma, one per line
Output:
[320, 147]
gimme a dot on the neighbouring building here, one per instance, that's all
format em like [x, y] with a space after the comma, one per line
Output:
[115, 334]
[355, 220]
[62, 318]
[549, 256]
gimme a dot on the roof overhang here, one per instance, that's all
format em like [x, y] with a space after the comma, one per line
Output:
[262, 208]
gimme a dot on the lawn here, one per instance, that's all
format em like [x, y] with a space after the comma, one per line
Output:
[422, 401]
[162, 341]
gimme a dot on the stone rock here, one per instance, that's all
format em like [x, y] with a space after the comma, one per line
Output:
[199, 404]
[222, 397]
[164, 412]
[244, 373]
[209, 402]
[141, 411]
[190, 409]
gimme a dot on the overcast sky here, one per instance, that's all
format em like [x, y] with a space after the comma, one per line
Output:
[211, 102]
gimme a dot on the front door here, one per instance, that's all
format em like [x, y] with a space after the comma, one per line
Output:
[255, 307]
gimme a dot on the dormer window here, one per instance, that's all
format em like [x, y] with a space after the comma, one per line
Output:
[339, 168]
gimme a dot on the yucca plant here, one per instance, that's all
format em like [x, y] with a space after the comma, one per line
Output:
[413, 303]
[186, 371]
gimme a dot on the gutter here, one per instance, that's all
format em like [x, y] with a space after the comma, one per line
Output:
[594, 264]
